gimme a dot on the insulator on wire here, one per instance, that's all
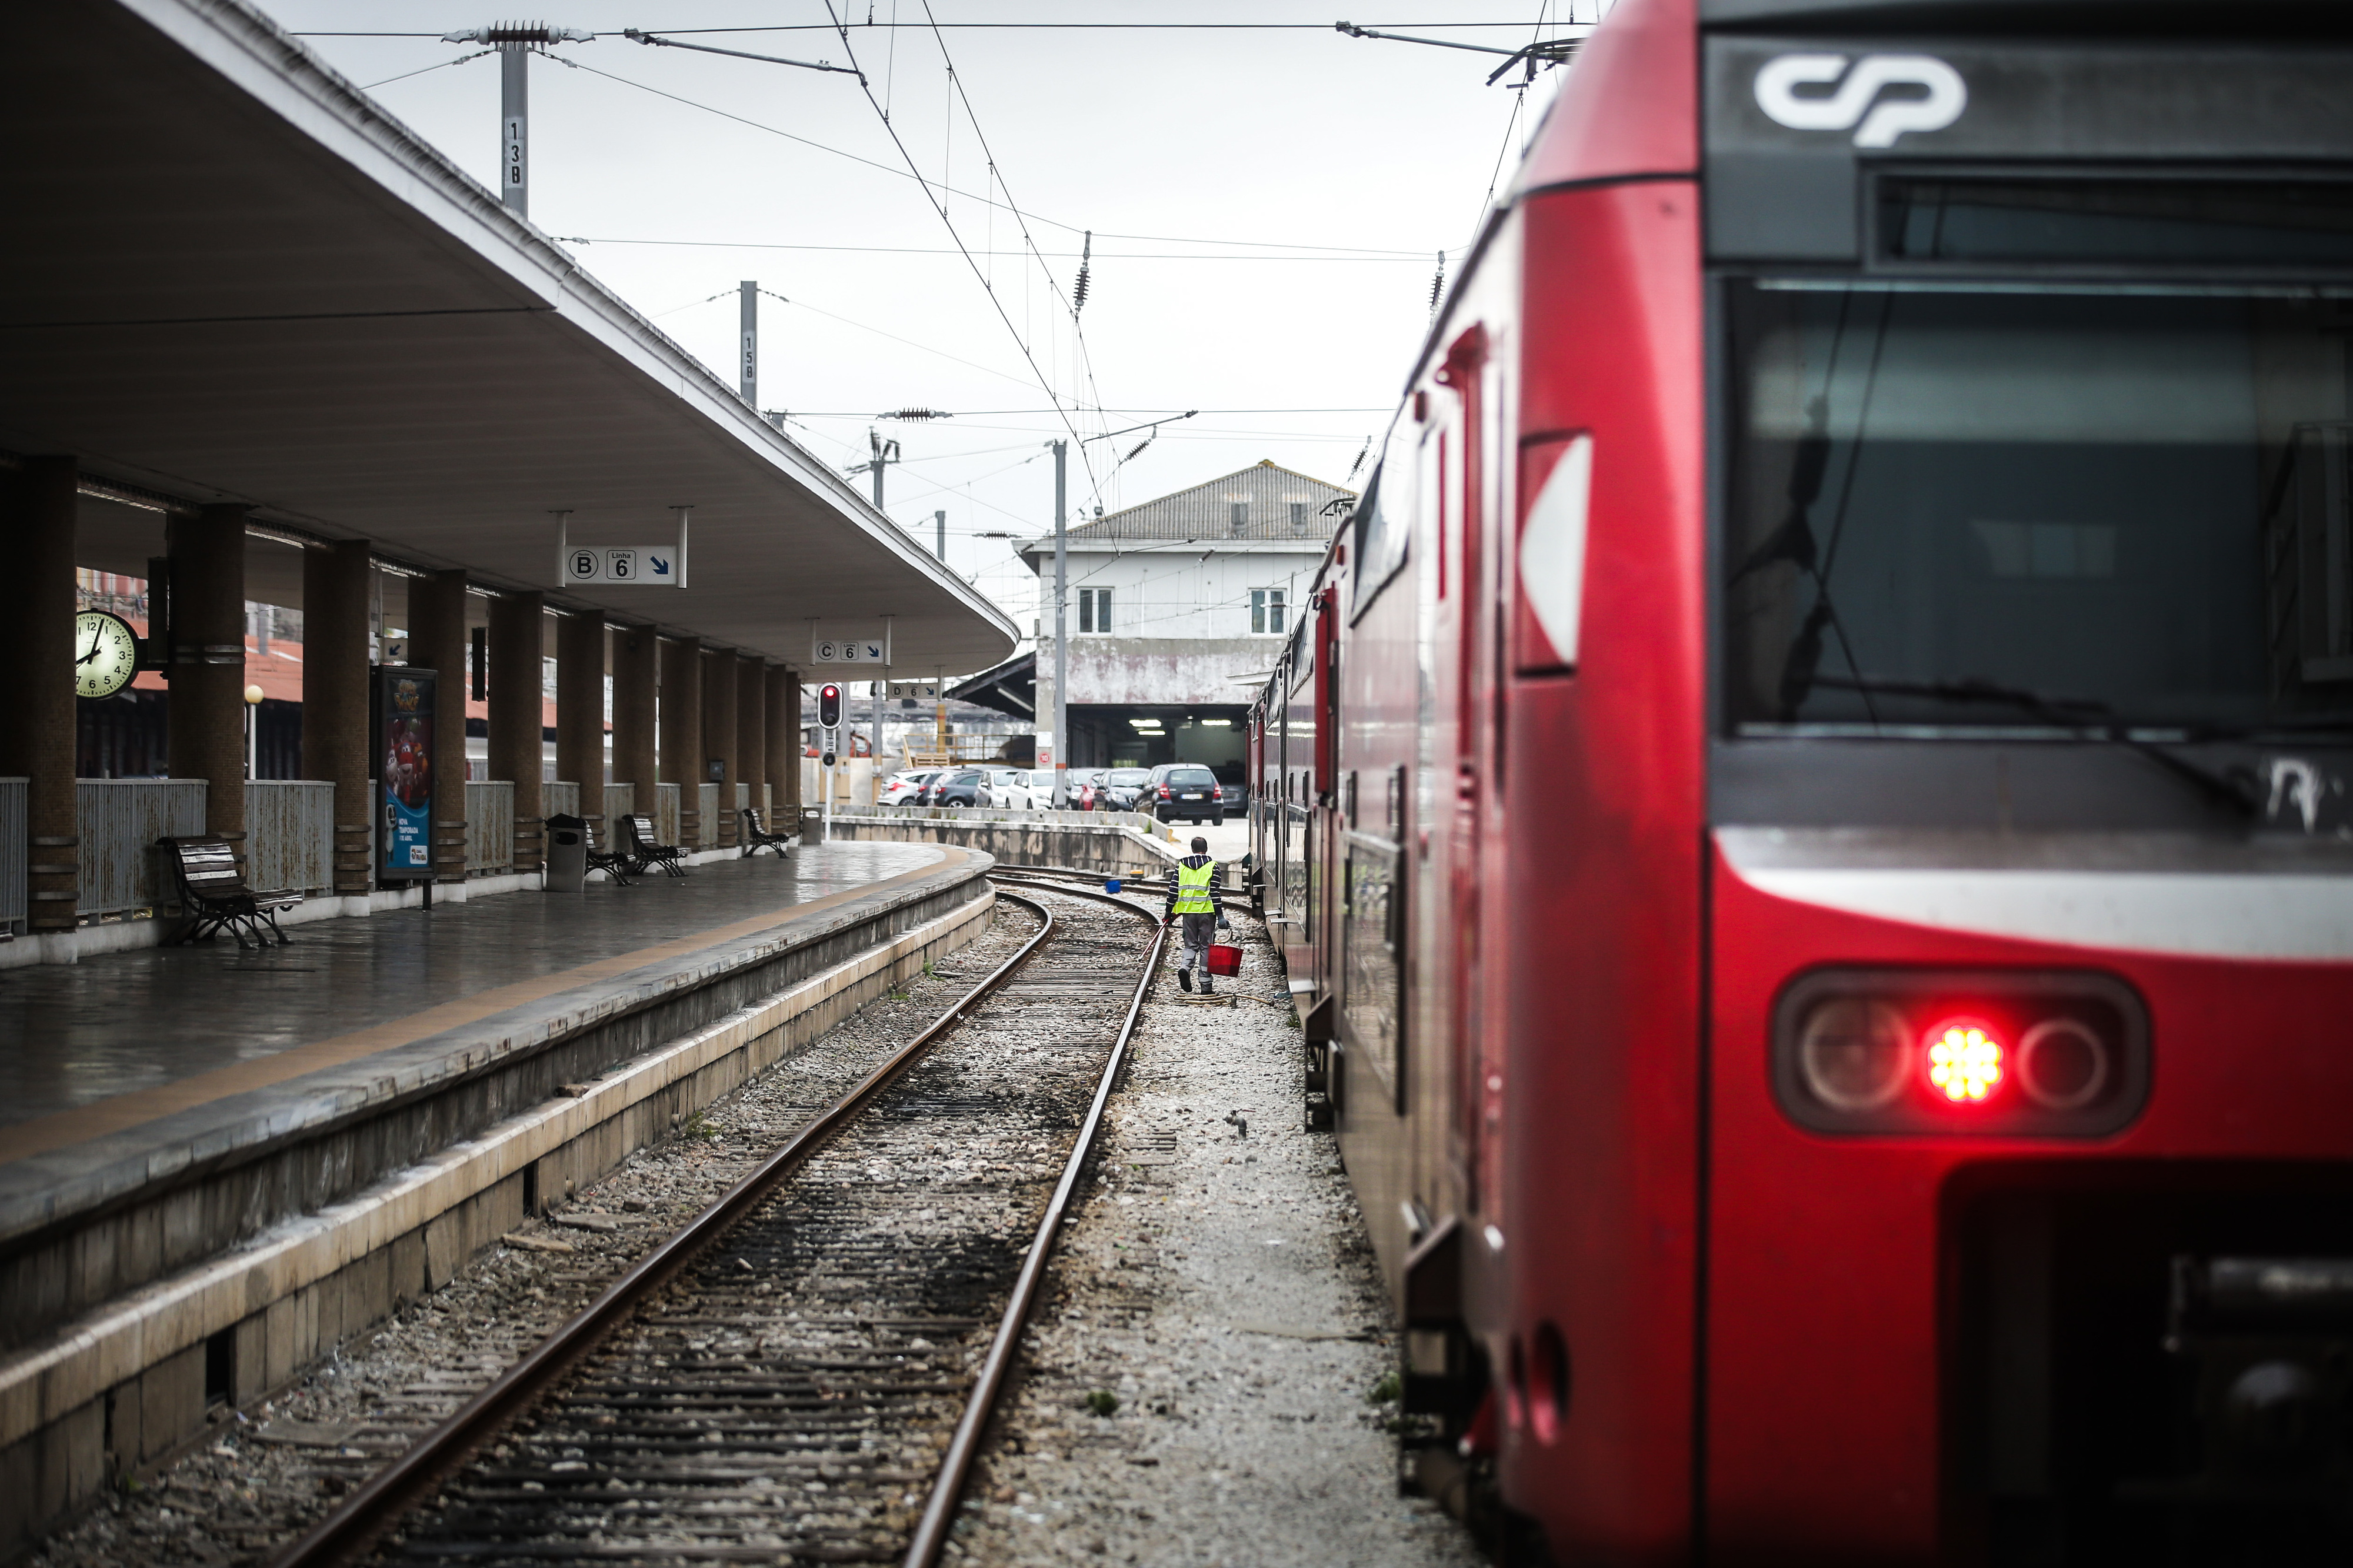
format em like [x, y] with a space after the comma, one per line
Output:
[919, 414]
[1437, 284]
[1086, 258]
[1140, 445]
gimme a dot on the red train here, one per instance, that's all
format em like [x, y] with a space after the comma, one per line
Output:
[1809, 818]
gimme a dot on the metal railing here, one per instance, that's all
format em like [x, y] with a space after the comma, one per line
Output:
[289, 835]
[118, 821]
[12, 853]
[666, 810]
[489, 827]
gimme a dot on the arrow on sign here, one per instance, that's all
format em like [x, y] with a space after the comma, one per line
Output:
[660, 564]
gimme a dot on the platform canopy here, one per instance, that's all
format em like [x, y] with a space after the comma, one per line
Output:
[230, 276]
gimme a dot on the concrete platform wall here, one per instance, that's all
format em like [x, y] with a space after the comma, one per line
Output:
[1077, 845]
[123, 1388]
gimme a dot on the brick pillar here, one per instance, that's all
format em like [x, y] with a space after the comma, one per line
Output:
[207, 702]
[518, 714]
[719, 741]
[36, 700]
[580, 710]
[436, 641]
[637, 676]
[751, 724]
[681, 733]
[785, 740]
[335, 700]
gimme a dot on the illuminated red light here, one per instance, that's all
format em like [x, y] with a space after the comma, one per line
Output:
[1965, 1061]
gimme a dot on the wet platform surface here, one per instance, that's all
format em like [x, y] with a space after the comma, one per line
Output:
[95, 1046]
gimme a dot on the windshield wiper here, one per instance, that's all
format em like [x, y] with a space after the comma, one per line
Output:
[2236, 788]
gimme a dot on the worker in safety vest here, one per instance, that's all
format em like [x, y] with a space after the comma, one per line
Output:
[1189, 897]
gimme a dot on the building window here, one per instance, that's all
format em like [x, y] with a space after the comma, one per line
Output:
[1266, 612]
[1239, 512]
[1094, 609]
[1299, 517]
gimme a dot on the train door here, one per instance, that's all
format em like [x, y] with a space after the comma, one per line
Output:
[1464, 570]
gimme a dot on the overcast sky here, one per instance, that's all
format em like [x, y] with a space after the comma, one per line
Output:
[1267, 203]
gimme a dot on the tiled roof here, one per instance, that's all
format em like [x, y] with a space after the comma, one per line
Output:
[1274, 504]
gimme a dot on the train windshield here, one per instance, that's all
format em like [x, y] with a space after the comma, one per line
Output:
[1964, 506]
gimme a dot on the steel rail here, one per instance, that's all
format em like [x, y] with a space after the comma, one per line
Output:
[354, 1527]
[947, 1489]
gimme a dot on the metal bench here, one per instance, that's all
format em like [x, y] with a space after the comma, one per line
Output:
[643, 852]
[613, 862]
[757, 837]
[214, 896]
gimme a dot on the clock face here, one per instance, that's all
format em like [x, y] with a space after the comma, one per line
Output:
[106, 653]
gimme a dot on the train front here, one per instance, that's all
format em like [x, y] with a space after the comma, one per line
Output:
[2027, 1206]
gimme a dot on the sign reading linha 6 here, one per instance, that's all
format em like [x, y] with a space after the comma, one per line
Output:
[826, 647]
[647, 565]
[403, 765]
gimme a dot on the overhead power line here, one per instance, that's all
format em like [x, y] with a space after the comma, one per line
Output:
[1339, 253]
[1035, 26]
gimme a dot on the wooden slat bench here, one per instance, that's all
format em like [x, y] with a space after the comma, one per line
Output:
[642, 851]
[214, 896]
[757, 837]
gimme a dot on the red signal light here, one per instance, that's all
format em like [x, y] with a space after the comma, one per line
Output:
[1965, 1060]
[828, 705]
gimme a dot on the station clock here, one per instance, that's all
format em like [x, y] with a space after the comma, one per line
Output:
[106, 653]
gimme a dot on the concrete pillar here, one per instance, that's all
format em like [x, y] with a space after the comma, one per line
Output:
[208, 673]
[36, 700]
[518, 695]
[580, 710]
[719, 741]
[335, 700]
[751, 723]
[436, 641]
[637, 676]
[681, 733]
[783, 728]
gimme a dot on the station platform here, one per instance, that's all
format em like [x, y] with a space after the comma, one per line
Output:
[192, 1139]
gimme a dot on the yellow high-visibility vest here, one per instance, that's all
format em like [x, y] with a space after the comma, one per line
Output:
[1193, 889]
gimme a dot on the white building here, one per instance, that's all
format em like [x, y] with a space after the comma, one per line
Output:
[1174, 606]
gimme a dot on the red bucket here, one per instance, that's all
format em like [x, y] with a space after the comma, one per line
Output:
[1225, 960]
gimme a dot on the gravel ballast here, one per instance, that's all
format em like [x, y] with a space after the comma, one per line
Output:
[1199, 1386]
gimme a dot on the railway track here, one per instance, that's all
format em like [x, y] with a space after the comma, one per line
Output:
[804, 1371]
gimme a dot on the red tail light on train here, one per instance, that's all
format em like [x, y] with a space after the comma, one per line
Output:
[2025, 1054]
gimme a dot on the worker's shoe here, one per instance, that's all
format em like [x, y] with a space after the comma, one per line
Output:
[1208, 989]
[1184, 978]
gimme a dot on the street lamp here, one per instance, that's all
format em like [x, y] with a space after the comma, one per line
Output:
[252, 731]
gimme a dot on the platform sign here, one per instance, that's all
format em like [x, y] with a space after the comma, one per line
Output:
[924, 691]
[833, 648]
[403, 763]
[622, 566]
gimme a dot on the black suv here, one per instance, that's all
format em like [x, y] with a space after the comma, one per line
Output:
[1182, 790]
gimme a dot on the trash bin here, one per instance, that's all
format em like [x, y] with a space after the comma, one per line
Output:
[567, 854]
[812, 824]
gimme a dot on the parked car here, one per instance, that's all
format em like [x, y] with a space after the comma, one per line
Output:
[1233, 791]
[1085, 786]
[1122, 789]
[1022, 789]
[902, 788]
[1186, 792]
[955, 786]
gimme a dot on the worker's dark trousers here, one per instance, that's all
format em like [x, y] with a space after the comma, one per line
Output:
[1199, 932]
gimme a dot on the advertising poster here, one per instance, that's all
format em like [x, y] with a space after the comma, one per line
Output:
[404, 766]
